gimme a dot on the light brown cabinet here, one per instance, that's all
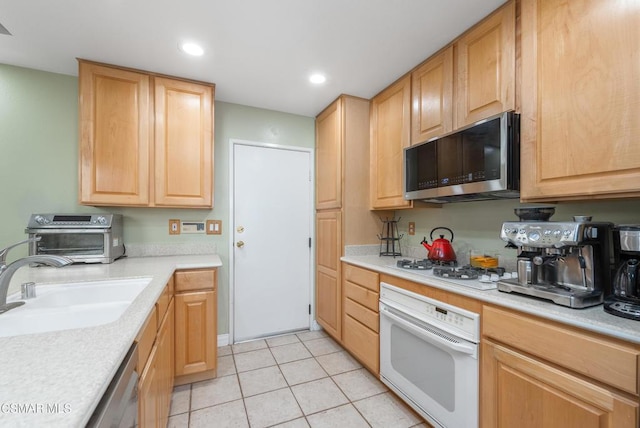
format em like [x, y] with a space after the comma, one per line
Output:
[196, 338]
[328, 253]
[390, 134]
[145, 139]
[538, 373]
[155, 364]
[360, 315]
[432, 97]
[485, 67]
[580, 98]
[329, 157]
[342, 168]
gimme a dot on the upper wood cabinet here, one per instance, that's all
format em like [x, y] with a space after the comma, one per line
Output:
[145, 140]
[485, 61]
[183, 143]
[390, 132]
[580, 100]
[329, 142]
[432, 97]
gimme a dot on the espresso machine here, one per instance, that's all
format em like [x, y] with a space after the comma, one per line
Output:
[568, 263]
[623, 298]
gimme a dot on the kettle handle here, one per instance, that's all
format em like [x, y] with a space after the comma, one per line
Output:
[436, 228]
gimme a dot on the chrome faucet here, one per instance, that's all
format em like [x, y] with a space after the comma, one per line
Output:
[7, 271]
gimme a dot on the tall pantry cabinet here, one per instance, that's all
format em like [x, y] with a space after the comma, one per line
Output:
[342, 200]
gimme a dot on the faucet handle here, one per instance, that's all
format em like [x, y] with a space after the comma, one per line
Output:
[5, 251]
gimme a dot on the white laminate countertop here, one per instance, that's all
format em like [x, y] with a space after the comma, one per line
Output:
[72, 368]
[594, 319]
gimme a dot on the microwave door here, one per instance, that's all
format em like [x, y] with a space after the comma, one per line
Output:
[481, 152]
[421, 170]
[449, 153]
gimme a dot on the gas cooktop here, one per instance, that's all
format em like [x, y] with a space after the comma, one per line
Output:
[468, 276]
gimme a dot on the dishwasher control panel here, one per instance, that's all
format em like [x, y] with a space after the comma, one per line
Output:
[447, 317]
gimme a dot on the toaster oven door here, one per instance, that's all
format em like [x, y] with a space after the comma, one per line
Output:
[78, 244]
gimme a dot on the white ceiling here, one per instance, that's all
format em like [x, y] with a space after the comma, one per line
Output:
[257, 52]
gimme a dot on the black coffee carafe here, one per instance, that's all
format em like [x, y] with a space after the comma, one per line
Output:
[624, 299]
[626, 283]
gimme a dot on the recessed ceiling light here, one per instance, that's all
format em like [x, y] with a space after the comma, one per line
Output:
[191, 49]
[317, 78]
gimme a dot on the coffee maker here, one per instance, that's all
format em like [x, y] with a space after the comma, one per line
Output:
[623, 298]
[568, 263]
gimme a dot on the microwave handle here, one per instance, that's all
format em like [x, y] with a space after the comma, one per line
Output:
[427, 335]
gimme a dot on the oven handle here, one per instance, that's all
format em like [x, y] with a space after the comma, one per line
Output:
[427, 335]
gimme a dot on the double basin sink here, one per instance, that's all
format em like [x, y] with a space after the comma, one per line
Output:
[71, 305]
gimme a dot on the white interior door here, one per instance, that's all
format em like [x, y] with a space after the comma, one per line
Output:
[272, 225]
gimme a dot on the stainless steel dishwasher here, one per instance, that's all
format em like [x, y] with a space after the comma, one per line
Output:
[119, 404]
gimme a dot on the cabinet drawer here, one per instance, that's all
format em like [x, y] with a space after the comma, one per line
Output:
[360, 313]
[362, 342]
[146, 338]
[597, 357]
[361, 295]
[197, 279]
[362, 277]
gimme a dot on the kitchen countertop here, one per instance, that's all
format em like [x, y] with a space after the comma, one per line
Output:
[72, 368]
[594, 318]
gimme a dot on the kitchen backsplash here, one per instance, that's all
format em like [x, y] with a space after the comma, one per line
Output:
[166, 249]
[476, 225]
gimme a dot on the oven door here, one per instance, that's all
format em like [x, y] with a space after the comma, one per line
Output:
[435, 372]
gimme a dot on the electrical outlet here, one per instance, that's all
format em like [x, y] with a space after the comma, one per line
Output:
[412, 228]
[174, 227]
[214, 227]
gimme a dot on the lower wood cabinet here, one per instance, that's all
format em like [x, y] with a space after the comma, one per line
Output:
[536, 373]
[155, 384]
[360, 317]
[196, 337]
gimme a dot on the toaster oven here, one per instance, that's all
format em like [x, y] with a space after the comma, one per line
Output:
[84, 238]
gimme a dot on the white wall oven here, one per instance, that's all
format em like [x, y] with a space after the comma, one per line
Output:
[429, 356]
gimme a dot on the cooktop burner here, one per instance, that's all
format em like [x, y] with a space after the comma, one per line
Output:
[466, 272]
[423, 264]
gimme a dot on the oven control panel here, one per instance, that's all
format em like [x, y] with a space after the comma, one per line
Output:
[39, 221]
[449, 318]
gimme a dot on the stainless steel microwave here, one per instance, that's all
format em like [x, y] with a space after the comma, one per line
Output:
[84, 238]
[478, 162]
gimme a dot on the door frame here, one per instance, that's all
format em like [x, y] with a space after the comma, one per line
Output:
[312, 262]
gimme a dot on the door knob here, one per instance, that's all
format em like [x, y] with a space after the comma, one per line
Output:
[240, 244]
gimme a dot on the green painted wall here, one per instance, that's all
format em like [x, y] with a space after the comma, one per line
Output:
[39, 163]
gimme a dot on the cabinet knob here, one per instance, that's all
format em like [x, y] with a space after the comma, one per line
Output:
[240, 244]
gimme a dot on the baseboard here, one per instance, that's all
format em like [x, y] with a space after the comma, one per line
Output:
[223, 340]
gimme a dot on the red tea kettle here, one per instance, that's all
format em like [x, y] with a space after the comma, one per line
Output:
[440, 250]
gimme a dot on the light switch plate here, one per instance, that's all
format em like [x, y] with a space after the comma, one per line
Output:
[214, 227]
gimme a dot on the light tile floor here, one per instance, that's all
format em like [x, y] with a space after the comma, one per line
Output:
[293, 381]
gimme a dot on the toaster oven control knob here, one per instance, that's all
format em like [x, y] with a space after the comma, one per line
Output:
[101, 220]
[40, 220]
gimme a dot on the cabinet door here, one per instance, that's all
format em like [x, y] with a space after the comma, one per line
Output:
[485, 83]
[183, 143]
[432, 97]
[148, 393]
[580, 100]
[165, 370]
[329, 157]
[390, 129]
[519, 391]
[195, 332]
[329, 251]
[115, 136]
